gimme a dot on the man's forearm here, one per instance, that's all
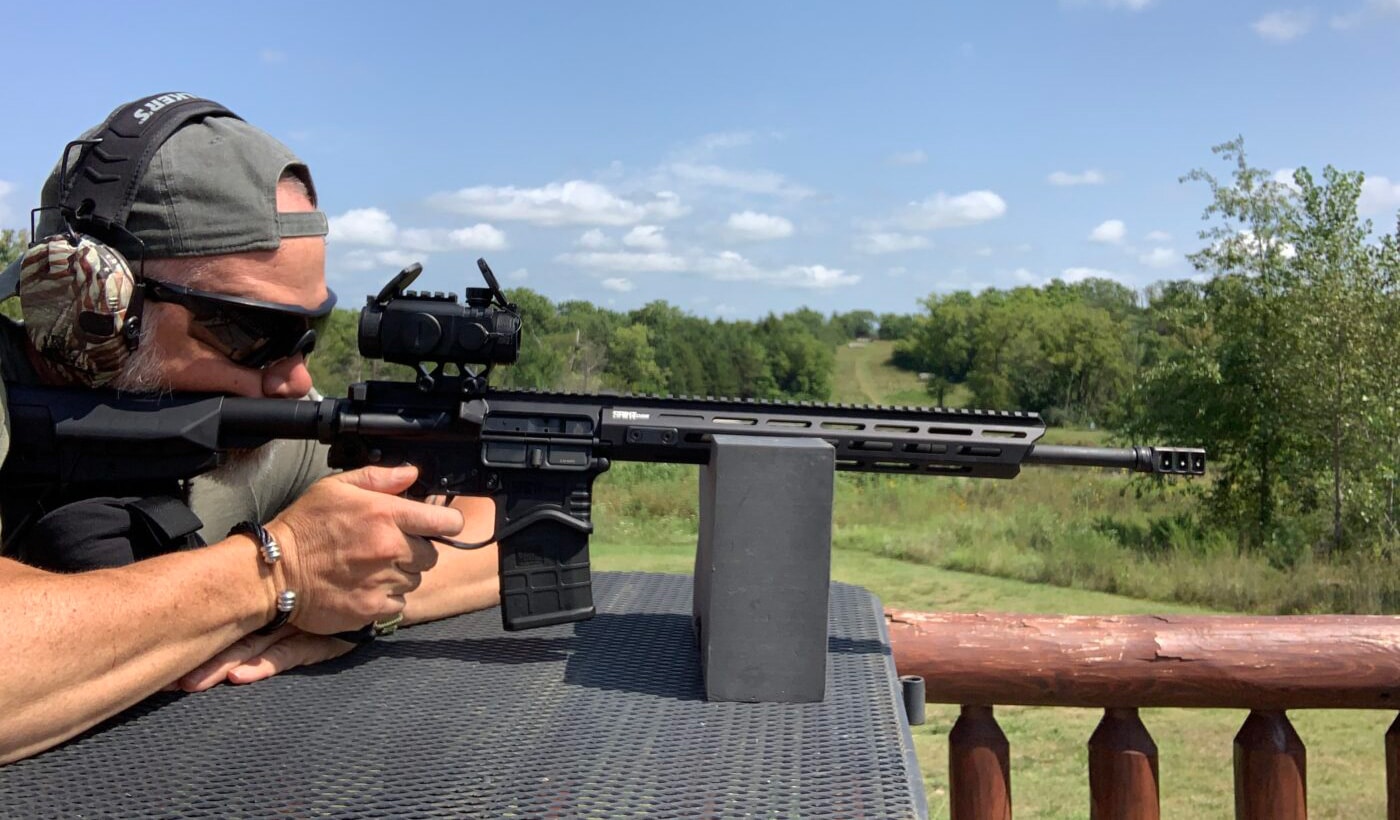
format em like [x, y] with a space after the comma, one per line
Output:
[79, 648]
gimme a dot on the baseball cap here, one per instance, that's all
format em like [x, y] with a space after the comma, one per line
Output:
[211, 188]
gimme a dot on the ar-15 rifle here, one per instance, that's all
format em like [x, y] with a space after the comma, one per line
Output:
[537, 453]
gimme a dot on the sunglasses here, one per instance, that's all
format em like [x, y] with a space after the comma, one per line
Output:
[249, 332]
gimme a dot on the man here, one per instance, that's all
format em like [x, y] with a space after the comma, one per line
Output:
[80, 647]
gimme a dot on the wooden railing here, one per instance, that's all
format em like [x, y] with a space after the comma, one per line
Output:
[1266, 665]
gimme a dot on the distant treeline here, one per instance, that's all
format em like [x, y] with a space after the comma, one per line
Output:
[657, 348]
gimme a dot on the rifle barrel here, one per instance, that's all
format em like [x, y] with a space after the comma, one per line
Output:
[1162, 460]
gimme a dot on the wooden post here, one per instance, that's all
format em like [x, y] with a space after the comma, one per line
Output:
[1123, 783]
[1392, 771]
[1271, 780]
[979, 767]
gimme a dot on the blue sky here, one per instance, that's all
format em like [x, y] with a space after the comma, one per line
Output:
[739, 158]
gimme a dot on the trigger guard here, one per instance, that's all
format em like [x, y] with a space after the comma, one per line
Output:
[538, 516]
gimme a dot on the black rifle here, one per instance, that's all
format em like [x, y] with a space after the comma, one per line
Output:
[537, 453]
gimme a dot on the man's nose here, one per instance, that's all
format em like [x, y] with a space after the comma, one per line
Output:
[287, 378]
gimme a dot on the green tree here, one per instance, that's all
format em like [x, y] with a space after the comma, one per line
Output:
[1283, 364]
[800, 363]
[1386, 419]
[1247, 379]
[1341, 346]
[942, 343]
[12, 247]
[855, 324]
[895, 326]
[632, 361]
[541, 361]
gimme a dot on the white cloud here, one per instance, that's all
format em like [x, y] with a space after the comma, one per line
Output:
[363, 226]
[1284, 177]
[518, 275]
[365, 259]
[983, 251]
[594, 239]
[726, 266]
[897, 271]
[1159, 258]
[882, 242]
[915, 157]
[1072, 275]
[731, 267]
[1064, 178]
[374, 227]
[811, 276]
[1024, 276]
[943, 211]
[625, 261]
[576, 202]
[1110, 232]
[1246, 242]
[710, 144]
[480, 236]
[1379, 196]
[645, 237]
[1159, 236]
[1283, 26]
[752, 182]
[619, 285]
[756, 226]
[5, 215]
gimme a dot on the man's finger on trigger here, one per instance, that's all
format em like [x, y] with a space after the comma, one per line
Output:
[391, 480]
[417, 518]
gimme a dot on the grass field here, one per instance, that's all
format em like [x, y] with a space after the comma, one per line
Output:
[864, 375]
[1346, 767]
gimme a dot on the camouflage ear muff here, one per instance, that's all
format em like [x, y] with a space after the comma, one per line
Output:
[80, 297]
[76, 293]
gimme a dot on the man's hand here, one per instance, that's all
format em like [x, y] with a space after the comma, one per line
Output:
[352, 548]
[254, 657]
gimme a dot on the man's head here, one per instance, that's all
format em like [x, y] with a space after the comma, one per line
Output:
[224, 235]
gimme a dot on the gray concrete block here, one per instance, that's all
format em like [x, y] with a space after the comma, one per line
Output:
[763, 568]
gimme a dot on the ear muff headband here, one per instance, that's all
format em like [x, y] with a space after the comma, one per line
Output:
[98, 193]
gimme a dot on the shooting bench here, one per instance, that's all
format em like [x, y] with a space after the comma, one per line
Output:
[603, 718]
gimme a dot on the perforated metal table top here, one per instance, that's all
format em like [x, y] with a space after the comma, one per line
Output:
[605, 718]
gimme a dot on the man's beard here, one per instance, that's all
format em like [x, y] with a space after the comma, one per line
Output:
[241, 465]
[142, 371]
